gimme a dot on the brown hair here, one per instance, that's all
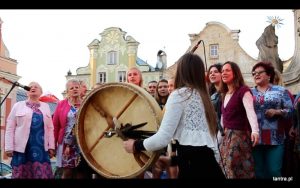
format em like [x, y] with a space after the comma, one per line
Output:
[211, 87]
[238, 79]
[191, 73]
[158, 98]
[269, 68]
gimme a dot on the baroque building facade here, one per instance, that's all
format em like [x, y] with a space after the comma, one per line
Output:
[220, 44]
[112, 56]
[217, 44]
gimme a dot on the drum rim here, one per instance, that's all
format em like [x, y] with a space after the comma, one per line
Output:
[141, 92]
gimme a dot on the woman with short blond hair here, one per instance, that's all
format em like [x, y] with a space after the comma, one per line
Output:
[134, 76]
[29, 137]
[64, 119]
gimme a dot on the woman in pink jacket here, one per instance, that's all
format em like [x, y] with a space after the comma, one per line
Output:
[29, 137]
[64, 119]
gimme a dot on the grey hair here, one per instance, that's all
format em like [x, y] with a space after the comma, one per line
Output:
[72, 80]
[37, 84]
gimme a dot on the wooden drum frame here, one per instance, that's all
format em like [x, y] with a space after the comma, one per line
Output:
[129, 104]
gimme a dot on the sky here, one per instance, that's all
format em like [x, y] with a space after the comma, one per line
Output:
[49, 43]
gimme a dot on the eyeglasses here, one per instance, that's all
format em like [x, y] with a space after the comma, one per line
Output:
[257, 73]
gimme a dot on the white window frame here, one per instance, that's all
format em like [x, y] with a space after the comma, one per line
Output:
[214, 50]
[112, 58]
[102, 77]
[121, 76]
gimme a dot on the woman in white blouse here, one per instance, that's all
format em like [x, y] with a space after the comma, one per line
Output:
[189, 118]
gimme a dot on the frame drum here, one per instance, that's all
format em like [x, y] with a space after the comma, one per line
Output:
[127, 103]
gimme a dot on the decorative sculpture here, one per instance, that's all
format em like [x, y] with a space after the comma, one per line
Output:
[267, 46]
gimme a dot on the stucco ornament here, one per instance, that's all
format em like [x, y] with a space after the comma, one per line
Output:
[112, 37]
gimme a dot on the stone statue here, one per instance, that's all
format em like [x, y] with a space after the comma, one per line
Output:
[268, 50]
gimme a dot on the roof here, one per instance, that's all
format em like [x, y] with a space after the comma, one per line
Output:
[141, 62]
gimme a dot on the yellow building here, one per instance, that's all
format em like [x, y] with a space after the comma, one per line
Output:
[112, 56]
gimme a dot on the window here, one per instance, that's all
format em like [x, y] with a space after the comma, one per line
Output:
[112, 58]
[122, 76]
[213, 49]
[102, 77]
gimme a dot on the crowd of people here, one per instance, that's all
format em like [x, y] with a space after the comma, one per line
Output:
[214, 126]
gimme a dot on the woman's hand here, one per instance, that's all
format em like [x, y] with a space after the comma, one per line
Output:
[254, 139]
[272, 112]
[293, 133]
[51, 153]
[9, 153]
[129, 145]
[164, 161]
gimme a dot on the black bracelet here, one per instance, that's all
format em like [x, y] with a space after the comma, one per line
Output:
[174, 147]
[174, 161]
[139, 146]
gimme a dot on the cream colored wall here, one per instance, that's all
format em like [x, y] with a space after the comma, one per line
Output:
[229, 49]
[150, 76]
[8, 65]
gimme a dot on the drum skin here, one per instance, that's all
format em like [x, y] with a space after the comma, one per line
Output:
[129, 104]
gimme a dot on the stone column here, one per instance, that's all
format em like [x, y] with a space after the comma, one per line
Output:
[132, 54]
[93, 65]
